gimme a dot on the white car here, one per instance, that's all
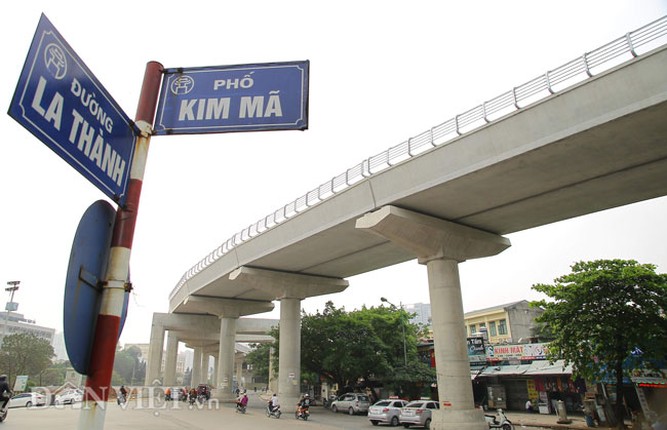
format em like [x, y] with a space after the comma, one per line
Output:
[26, 400]
[69, 397]
[418, 413]
[386, 411]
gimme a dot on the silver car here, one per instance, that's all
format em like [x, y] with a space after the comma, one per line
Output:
[418, 413]
[386, 411]
[352, 403]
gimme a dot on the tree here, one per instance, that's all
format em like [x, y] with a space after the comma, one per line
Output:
[127, 367]
[347, 347]
[364, 344]
[25, 354]
[259, 358]
[601, 313]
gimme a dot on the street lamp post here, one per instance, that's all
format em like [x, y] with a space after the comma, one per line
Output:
[405, 349]
[13, 286]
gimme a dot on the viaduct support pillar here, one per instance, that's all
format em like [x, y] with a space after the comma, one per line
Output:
[154, 354]
[289, 365]
[229, 311]
[290, 289]
[451, 352]
[196, 367]
[225, 363]
[169, 379]
[441, 245]
[272, 385]
[216, 366]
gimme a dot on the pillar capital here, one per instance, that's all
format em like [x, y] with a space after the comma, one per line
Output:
[431, 238]
[285, 285]
[228, 308]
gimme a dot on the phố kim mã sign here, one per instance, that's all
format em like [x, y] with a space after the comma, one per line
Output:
[254, 97]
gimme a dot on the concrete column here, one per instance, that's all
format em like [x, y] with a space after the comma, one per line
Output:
[238, 368]
[451, 349]
[196, 367]
[290, 289]
[170, 359]
[272, 385]
[289, 366]
[225, 367]
[205, 365]
[441, 245]
[154, 354]
[228, 310]
[216, 366]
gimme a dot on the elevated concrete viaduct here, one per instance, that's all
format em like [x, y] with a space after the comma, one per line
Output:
[597, 144]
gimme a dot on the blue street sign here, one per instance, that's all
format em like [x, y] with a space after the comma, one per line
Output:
[253, 97]
[62, 103]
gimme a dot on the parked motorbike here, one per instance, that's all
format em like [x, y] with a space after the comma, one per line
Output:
[329, 401]
[273, 412]
[302, 413]
[499, 421]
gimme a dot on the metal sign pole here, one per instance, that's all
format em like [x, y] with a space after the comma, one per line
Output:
[98, 380]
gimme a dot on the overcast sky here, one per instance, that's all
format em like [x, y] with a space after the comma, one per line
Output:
[381, 72]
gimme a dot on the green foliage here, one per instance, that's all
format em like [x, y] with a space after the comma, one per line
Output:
[367, 344]
[604, 310]
[127, 368]
[359, 346]
[259, 358]
[24, 354]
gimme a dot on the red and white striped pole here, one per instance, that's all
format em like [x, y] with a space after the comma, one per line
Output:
[100, 368]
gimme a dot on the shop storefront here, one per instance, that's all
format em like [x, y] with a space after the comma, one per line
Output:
[543, 383]
[651, 389]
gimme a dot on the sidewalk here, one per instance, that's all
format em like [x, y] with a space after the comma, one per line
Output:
[522, 419]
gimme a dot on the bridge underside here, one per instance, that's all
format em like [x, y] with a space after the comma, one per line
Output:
[598, 145]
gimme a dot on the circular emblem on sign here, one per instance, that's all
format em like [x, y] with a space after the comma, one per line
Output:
[55, 60]
[182, 85]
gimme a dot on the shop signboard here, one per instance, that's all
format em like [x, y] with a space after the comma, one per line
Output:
[476, 350]
[528, 351]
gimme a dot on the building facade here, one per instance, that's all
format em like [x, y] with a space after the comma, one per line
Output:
[509, 323]
[15, 323]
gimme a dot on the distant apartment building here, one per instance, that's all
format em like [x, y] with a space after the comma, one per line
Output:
[509, 323]
[421, 311]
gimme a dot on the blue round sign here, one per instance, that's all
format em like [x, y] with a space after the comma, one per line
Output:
[83, 286]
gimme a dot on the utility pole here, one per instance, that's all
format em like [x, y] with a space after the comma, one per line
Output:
[405, 349]
[13, 287]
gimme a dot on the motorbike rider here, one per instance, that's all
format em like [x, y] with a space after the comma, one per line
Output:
[5, 392]
[122, 398]
[273, 403]
[242, 401]
[304, 404]
[192, 396]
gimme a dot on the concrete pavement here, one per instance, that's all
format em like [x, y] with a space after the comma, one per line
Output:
[522, 419]
[159, 415]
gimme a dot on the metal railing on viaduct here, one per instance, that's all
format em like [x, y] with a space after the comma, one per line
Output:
[590, 64]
